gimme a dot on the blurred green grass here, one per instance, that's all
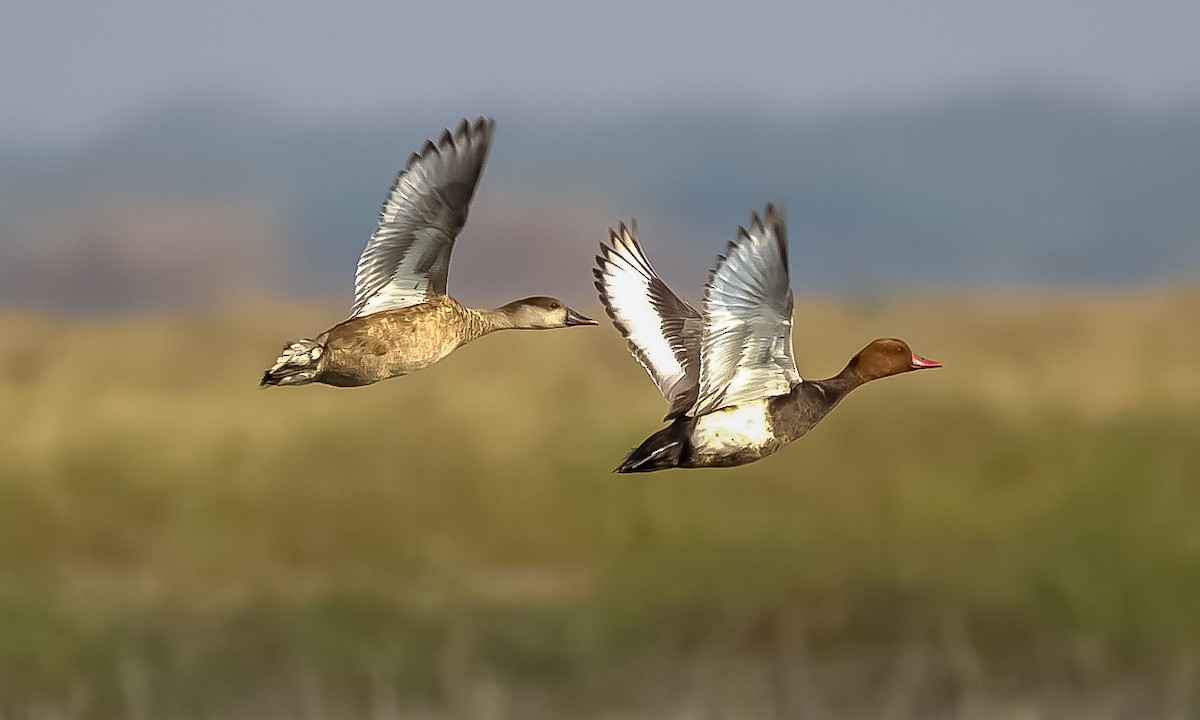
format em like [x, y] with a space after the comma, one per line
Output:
[175, 542]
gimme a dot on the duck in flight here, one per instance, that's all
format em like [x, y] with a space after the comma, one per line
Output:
[402, 319]
[727, 370]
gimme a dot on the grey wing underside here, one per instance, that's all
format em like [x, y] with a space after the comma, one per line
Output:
[408, 257]
[746, 351]
[663, 331]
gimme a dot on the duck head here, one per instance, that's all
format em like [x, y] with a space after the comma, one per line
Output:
[543, 313]
[886, 357]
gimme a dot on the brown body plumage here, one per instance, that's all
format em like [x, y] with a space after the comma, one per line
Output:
[365, 350]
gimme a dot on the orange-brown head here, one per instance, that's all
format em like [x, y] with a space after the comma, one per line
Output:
[886, 357]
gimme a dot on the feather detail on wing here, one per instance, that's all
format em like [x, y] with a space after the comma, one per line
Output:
[663, 331]
[409, 255]
[746, 353]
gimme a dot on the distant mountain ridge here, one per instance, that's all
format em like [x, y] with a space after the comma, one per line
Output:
[1008, 189]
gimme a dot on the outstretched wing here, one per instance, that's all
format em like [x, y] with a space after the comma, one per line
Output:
[663, 331]
[408, 256]
[746, 353]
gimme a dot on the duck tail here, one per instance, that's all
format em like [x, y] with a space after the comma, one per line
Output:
[297, 364]
[661, 451]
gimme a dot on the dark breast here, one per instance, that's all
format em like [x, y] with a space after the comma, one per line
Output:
[796, 413]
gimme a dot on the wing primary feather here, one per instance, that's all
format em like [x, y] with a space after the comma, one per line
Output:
[661, 329]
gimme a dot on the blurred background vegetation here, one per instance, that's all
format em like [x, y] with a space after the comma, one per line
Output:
[1012, 189]
[1015, 531]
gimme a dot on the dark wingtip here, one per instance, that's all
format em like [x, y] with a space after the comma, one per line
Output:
[629, 230]
[479, 130]
[771, 213]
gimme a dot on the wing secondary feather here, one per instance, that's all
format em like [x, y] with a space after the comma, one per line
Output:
[663, 331]
[408, 256]
[746, 351]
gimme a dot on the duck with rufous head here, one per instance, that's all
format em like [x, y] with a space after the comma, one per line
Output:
[727, 370]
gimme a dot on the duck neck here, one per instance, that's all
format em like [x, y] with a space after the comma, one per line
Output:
[840, 385]
[487, 320]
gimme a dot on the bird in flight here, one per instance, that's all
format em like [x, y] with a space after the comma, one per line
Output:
[726, 370]
[402, 319]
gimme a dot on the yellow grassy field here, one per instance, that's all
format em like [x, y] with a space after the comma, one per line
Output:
[175, 542]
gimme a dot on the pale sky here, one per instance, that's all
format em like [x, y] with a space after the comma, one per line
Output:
[74, 69]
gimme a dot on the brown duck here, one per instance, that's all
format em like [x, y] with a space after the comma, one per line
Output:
[402, 319]
[727, 371]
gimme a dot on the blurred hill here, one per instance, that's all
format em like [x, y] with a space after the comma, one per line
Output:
[1005, 189]
[131, 253]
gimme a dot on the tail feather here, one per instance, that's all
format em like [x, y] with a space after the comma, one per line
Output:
[297, 364]
[661, 451]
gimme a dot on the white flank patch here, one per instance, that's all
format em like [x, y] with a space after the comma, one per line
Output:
[727, 431]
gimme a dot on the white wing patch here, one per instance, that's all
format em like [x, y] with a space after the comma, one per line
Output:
[408, 256]
[663, 331]
[746, 354]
